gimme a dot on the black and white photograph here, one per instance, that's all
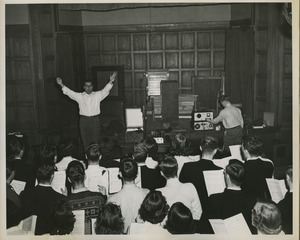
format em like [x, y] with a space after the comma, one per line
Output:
[152, 119]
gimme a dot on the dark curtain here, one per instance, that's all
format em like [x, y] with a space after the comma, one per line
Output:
[239, 67]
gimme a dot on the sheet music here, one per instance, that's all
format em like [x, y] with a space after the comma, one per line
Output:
[59, 181]
[138, 180]
[28, 224]
[115, 184]
[235, 151]
[79, 223]
[93, 220]
[277, 189]
[214, 181]
[219, 227]
[96, 179]
[223, 162]
[18, 186]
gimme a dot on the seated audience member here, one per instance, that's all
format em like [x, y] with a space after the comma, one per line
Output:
[286, 204]
[13, 203]
[266, 217]
[38, 200]
[181, 149]
[61, 218]
[67, 152]
[81, 198]
[233, 200]
[110, 220]
[48, 153]
[15, 149]
[95, 175]
[152, 147]
[107, 149]
[180, 220]
[193, 171]
[257, 168]
[131, 196]
[152, 212]
[150, 174]
[175, 191]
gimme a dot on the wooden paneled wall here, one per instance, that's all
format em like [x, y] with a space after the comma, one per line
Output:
[184, 54]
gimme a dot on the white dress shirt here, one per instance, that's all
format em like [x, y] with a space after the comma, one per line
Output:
[230, 116]
[148, 228]
[185, 193]
[89, 104]
[96, 175]
[129, 199]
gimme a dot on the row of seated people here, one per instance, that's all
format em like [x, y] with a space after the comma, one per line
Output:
[178, 178]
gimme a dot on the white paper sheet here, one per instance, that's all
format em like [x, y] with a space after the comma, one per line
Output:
[28, 224]
[79, 224]
[235, 151]
[18, 186]
[214, 181]
[59, 181]
[115, 184]
[277, 189]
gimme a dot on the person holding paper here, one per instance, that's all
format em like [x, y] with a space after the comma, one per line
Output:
[193, 171]
[232, 120]
[131, 196]
[266, 217]
[80, 197]
[89, 107]
[175, 191]
[257, 167]
[233, 200]
[286, 204]
[38, 200]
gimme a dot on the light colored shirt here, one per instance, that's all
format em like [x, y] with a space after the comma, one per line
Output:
[129, 199]
[186, 193]
[63, 164]
[148, 228]
[96, 175]
[89, 104]
[230, 116]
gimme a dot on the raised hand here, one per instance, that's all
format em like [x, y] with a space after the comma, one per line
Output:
[112, 77]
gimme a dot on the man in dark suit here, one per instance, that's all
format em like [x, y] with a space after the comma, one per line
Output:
[193, 171]
[39, 200]
[286, 204]
[257, 167]
[233, 200]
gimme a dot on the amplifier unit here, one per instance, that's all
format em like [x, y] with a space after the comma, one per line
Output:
[202, 116]
[198, 126]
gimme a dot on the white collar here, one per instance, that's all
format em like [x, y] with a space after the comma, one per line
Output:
[234, 188]
[78, 190]
[261, 158]
[44, 185]
[150, 163]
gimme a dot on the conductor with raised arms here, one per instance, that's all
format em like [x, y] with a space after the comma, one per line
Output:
[89, 108]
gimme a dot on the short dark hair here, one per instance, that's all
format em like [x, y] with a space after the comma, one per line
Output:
[253, 145]
[140, 152]
[61, 218]
[93, 152]
[180, 220]
[128, 169]
[224, 98]
[209, 144]
[14, 145]
[154, 208]
[151, 146]
[110, 220]
[44, 171]
[169, 166]
[67, 148]
[236, 171]
[48, 153]
[75, 172]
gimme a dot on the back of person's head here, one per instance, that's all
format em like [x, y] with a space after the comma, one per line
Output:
[151, 146]
[179, 141]
[154, 208]
[253, 145]
[48, 153]
[169, 167]
[266, 217]
[236, 171]
[61, 218]
[209, 144]
[129, 169]
[289, 172]
[140, 152]
[180, 220]
[44, 171]
[289, 178]
[93, 152]
[223, 98]
[14, 146]
[75, 172]
[67, 148]
[110, 220]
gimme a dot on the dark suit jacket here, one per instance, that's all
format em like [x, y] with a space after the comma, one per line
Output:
[193, 172]
[38, 201]
[151, 178]
[229, 203]
[286, 209]
[25, 172]
[255, 181]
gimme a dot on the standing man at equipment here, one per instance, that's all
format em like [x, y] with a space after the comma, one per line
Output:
[89, 108]
[233, 122]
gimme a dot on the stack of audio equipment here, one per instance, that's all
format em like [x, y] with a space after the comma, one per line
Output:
[200, 121]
